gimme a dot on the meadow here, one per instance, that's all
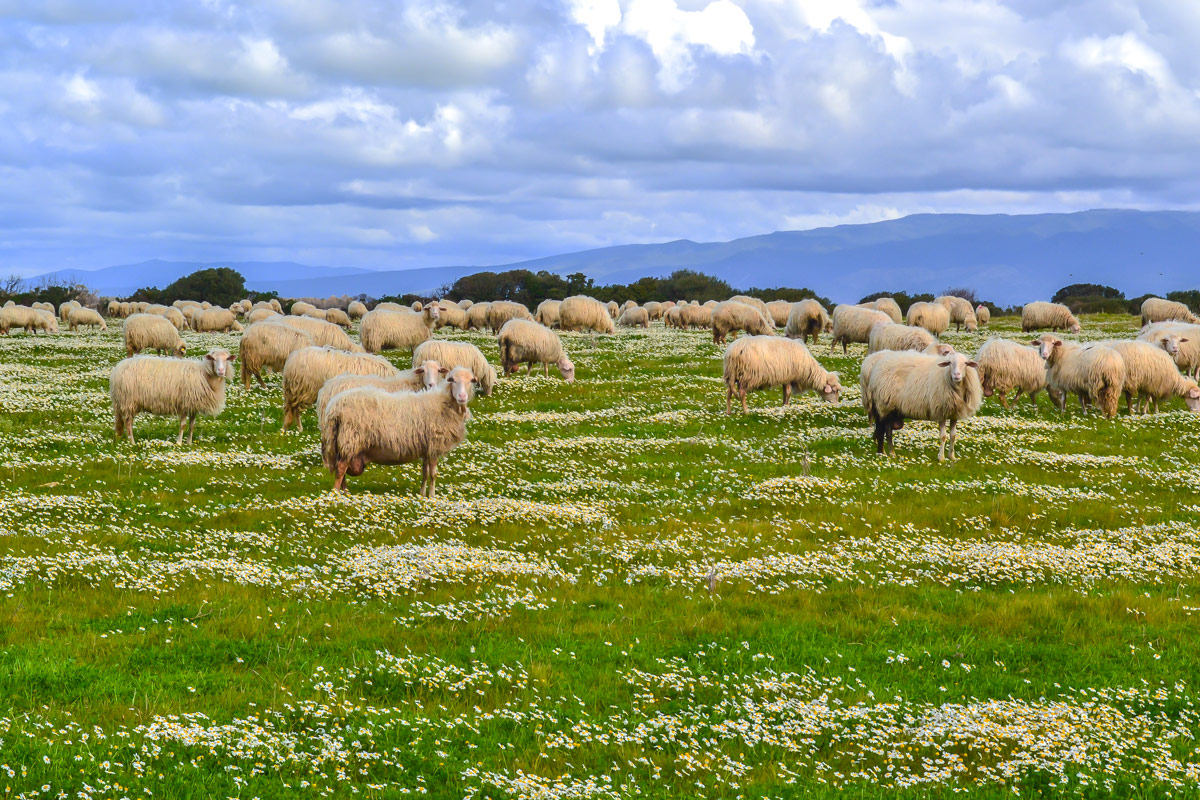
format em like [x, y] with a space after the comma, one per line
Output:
[619, 592]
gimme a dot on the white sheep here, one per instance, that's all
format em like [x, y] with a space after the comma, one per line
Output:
[1151, 377]
[583, 313]
[1006, 366]
[315, 313]
[450, 316]
[891, 336]
[426, 375]
[900, 384]
[389, 306]
[307, 369]
[267, 345]
[397, 330]
[961, 313]
[613, 309]
[779, 311]
[737, 315]
[151, 332]
[753, 363]
[547, 313]
[807, 318]
[458, 354]
[175, 387]
[696, 316]
[983, 314]
[635, 317]
[477, 316]
[1055, 316]
[356, 310]
[64, 310]
[367, 425]
[325, 334]
[337, 317]
[300, 307]
[853, 324]
[1156, 309]
[933, 317]
[1180, 340]
[887, 305]
[502, 311]
[1094, 372]
[655, 309]
[527, 342]
[215, 319]
[754, 302]
[465, 304]
[85, 316]
[261, 314]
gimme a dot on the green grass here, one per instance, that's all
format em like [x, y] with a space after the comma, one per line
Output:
[619, 592]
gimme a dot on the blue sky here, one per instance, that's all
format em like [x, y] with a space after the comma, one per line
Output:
[397, 135]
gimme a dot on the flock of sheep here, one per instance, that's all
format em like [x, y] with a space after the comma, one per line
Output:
[369, 411]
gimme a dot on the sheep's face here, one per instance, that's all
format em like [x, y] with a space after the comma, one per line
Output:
[461, 383]
[1170, 343]
[831, 392]
[218, 362]
[180, 350]
[1074, 327]
[971, 326]
[1191, 396]
[566, 368]
[433, 312]
[1047, 345]
[431, 373]
[957, 365]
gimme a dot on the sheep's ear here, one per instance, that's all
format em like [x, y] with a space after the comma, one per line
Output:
[943, 363]
[475, 380]
[419, 370]
[1181, 341]
[1057, 344]
[827, 389]
[444, 370]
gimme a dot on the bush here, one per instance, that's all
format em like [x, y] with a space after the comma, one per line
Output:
[1092, 298]
[903, 299]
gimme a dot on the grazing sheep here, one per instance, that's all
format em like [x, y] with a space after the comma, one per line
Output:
[204, 305]
[527, 342]
[891, 336]
[261, 314]
[933, 317]
[899, 384]
[1152, 377]
[85, 316]
[450, 316]
[983, 314]
[753, 302]
[299, 308]
[961, 313]
[215, 319]
[1180, 340]
[315, 313]
[778, 311]
[1094, 372]
[25, 317]
[169, 313]
[613, 309]
[388, 306]
[583, 313]
[465, 304]
[417, 306]
[628, 304]
[307, 369]
[114, 308]
[397, 330]
[356, 309]
[502, 311]
[696, 316]
[655, 309]
[1006, 366]
[547, 313]
[807, 318]
[40, 306]
[1055, 316]
[366, 425]
[324, 334]
[337, 317]
[64, 310]
[267, 345]
[887, 305]
[276, 305]
[174, 387]
[764, 362]
[1156, 309]
[426, 375]
[735, 315]
[477, 316]
[673, 318]
[711, 304]
[635, 317]
[151, 332]
[458, 354]
[853, 324]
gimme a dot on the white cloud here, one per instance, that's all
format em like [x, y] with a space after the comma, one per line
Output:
[672, 33]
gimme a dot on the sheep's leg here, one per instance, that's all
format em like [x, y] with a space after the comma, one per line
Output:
[546, 368]
[845, 347]
[182, 425]
[953, 436]
[287, 417]
[129, 428]
[1033, 400]
[742, 395]
[432, 477]
[339, 481]
[787, 393]
[191, 426]
[728, 399]
[1003, 399]
[942, 439]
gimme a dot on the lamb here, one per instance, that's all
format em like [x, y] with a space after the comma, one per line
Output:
[898, 385]
[983, 314]
[367, 425]
[267, 345]
[215, 319]
[779, 311]
[458, 354]
[735, 315]
[170, 387]
[527, 342]
[613, 309]
[583, 313]
[695, 316]
[961, 313]
[853, 324]
[426, 375]
[1094, 372]
[356, 309]
[502, 311]
[1155, 309]
[1055, 316]
[307, 369]
[890, 336]
[324, 334]
[933, 317]
[1180, 340]
[337, 317]
[151, 332]
[451, 316]
[807, 318]
[634, 318]
[547, 313]
[85, 316]
[763, 362]
[887, 305]
[477, 316]
[1006, 366]
[391, 330]
[1152, 377]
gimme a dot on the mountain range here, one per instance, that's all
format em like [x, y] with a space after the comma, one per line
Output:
[1007, 259]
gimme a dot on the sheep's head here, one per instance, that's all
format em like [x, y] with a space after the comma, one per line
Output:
[971, 325]
[831, 392]
[1074, 327]
[431, 373]
[939, 349]
[1170, 342]
[461, 383]
[566, 368]
[180, 350]
[432, 312]
[1191, 396]
[957, 365]
[218, 361]
[1047, 346]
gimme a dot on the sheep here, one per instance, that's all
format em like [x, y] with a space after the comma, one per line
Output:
[426, 375]
[451, 316]
[267, 345]
[64, 310]
[1094, 372]
[151, 332]
[628, 304]
[170, 313]
[933, 317]
[465, 304]
[695, 316]
[734, 315]
[655, 309]
[547, 313]
[779, 311]
[899, 384]
[215, 319]
[583, 313]
[261, 314]
[337, 317]
[299, 307]
[502, 311]
[1155, 309]
[25, 317]
[763, 362]
[1180, 340]
[170, 387]
[85, 316]
[114, 308]
[276, 306]
[887, 305]
[890, 336]
[807, 318]
[204, 306]
[983, 314]
[526, 342]
[635, 317]
[672, 318]
[710, 304]
[1055, 316]
[1152, 377]
[417, 306]
[315, 313]
[458, 354]
[388, 306]
[477, 316]
[391, 330]
[324, 334]
[754, 302]
[367, 425]
[1006, 366]
[307, 369]
[613, 309]
[961, 313]
[853, 324]
[40, 306]
[356, 309]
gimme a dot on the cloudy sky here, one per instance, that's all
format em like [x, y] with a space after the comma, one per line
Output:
[434, 132]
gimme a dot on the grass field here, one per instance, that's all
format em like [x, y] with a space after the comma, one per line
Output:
[619, 592]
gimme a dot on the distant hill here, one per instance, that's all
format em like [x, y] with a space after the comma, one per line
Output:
[1006, 259]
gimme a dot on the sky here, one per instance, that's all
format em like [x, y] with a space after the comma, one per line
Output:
[415, 134]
